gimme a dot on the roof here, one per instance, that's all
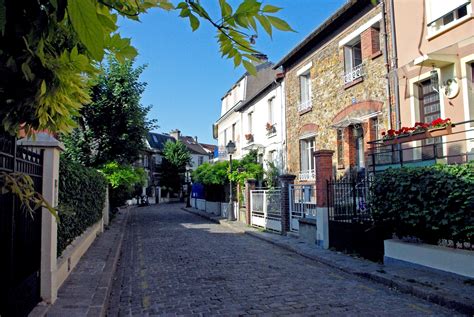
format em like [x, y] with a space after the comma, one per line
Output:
[193, 146]
[209, 147]
[259, 67]
[330, 25]
[157, 140]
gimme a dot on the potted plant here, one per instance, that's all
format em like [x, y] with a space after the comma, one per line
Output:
[270, 128]
[249, 137]
[420, 131]
[440, 127]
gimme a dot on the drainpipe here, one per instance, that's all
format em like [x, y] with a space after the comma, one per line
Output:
[387, 65]
[395, 65]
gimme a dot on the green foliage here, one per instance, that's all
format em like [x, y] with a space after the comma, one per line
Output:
[271, 175]
[430, 203]
[81, 200]
[177, 154]
[113, 126]
[212, 174]
[176, 158]
[49, 50]
[123, 180]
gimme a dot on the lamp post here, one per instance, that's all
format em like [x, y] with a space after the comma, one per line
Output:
[230, 147]
[188, 188]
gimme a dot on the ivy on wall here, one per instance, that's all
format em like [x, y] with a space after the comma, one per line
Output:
[82, 193]
[429, 203]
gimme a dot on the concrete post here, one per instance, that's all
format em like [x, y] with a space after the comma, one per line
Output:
[285, 181]
[249, 185]
[105, 211]
[49, 226]
[324, 172]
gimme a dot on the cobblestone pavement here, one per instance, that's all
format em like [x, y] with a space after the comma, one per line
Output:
[176, 263]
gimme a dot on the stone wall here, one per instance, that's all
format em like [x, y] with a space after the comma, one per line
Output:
[330, 96]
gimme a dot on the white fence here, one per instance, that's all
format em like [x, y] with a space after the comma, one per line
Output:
[302, 204]
[265, 209]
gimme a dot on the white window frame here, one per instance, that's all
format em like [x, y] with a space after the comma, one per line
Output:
[305, 95]
[353, 66]
[307, 172]
[437, 26]
[250, 122]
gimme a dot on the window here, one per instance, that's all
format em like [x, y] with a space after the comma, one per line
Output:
[233, 132]
[470, 90]
[442, 14]
[429, 110]
[305, 92]
[307, 159]
[200, 160]
[271, 110]
[340, 148]
[352, 61]
[249, 122]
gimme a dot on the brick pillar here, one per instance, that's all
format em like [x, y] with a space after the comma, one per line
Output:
[249, 185]
[323, 163]
[285, 181]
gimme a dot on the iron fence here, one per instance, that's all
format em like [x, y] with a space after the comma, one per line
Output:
[302, 204]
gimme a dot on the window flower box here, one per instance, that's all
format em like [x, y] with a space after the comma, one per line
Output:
[270, 127]
[249, 137]
[420, 131]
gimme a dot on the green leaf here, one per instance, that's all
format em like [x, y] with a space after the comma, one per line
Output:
[43, 88]
[265, 24]
[270, 9]
[279, 23]
[250, 67]
[3, 17]
[237, 59]
[83, 16]
[194, 22]
[25, 68]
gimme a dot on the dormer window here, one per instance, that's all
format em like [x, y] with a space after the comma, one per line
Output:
[352, 61]
[443, 14]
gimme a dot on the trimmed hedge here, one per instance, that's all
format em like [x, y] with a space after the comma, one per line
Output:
[81, 200]
[430, 203]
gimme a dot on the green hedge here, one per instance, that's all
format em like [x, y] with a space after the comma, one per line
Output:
[430, 203]
[81, 200]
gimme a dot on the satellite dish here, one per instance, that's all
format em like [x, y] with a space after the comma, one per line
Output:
[451, 88]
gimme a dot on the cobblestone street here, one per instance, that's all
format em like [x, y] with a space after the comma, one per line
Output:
[176, 263]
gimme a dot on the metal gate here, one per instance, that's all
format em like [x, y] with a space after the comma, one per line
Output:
[302, 204]
[20, 234]
[351, 227]
[265, 209]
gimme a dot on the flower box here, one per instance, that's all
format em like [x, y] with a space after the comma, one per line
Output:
[437, 132]
[406, 138]
[249, 137]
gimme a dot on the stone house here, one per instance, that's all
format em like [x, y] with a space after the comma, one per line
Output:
[336, 90]
[435, 74]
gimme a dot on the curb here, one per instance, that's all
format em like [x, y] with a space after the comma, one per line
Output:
[405, 288]
[103, 291]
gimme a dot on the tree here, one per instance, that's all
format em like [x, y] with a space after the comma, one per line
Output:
[176, 158]
[113, 126]
[50, 49]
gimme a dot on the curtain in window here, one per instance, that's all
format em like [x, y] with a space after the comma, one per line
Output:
[304, 155]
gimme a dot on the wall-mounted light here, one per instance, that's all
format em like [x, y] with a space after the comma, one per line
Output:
[434, 79]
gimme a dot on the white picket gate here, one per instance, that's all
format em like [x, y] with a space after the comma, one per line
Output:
[302, 204]
[265, 209]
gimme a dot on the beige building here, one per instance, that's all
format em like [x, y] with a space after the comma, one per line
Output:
[435, 47]
[336, 89]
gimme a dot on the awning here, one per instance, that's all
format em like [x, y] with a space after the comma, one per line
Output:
[347, 122]
[253, 146]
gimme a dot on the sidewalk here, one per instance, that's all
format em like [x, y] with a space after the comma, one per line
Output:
[87, 289]
[448, 290]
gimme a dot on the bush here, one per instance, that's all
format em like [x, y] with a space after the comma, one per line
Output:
[430, 203]
[81, 200]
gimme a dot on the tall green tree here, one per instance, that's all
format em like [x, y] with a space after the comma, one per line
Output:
[176, 158]
[49, 50]
[113, 126]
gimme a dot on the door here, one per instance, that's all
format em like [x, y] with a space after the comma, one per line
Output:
[430, 110]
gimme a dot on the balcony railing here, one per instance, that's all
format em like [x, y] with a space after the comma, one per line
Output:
[355, 73]
[305, 105]
[308, 175]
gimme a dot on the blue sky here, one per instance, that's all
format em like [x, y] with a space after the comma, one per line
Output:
[186, 75]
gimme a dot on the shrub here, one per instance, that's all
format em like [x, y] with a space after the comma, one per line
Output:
[81, 200]
[430, 203]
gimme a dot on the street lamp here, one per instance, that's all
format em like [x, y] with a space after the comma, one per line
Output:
[230, 147]
[188, 188]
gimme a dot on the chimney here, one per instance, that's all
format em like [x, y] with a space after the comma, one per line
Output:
[175, 134]
[262, 59]
[196, 139]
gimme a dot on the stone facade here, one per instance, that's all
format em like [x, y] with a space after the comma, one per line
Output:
[332, 99]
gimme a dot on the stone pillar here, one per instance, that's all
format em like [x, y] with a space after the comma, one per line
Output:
[105, 210]
[249, 185]
[285, 181]
[324, 172]
[49, 226]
